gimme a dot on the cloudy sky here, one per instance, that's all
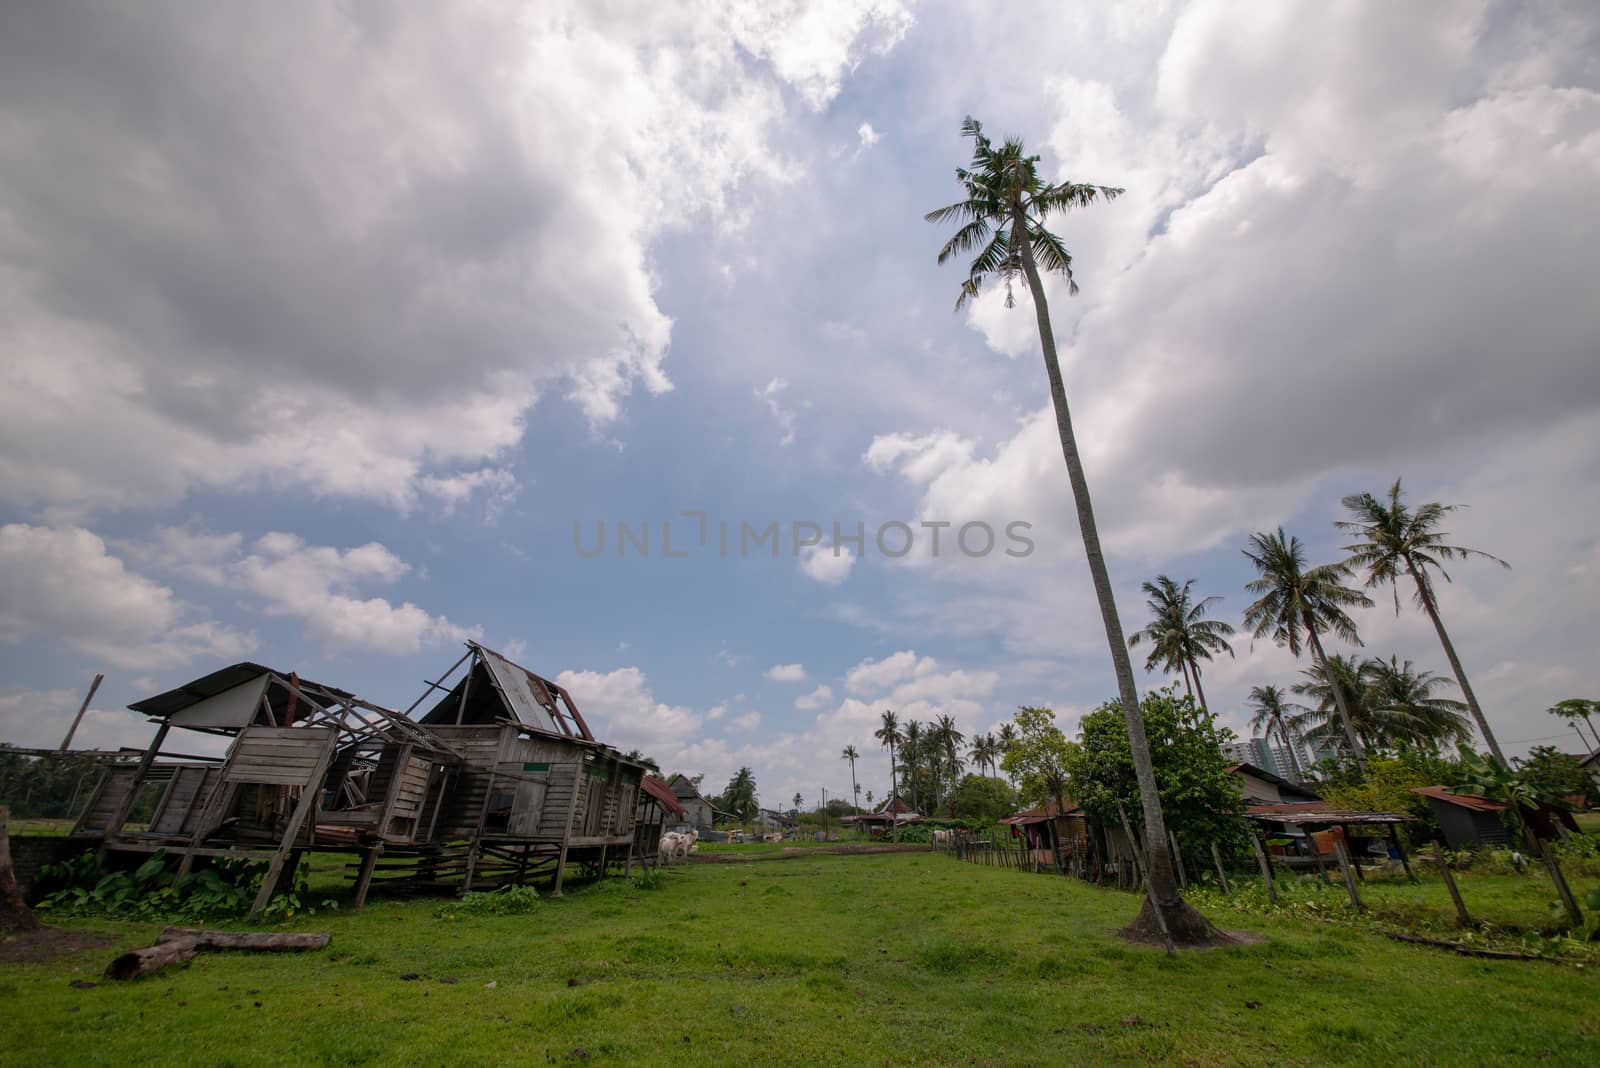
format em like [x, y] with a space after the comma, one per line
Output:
[335, 335]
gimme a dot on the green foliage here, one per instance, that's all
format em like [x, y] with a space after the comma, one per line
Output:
[1555, 773]
[81, 886]
[49, 787]
[982, 801]
[1519, 788]
[901, 959]
[1199, 795]
[1038, 757]
[740, 796]
[1390, 785]
[507, 901]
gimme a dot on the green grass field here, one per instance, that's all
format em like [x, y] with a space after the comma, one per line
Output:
[904, 959]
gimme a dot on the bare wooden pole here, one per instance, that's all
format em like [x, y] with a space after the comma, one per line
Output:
[1462, 919]
[1349, 876]
[1568, 902]
[1216, 855]
[66, 743]
[1266, 868]
[1177, 861]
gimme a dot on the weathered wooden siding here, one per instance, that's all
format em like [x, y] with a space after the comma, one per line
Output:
[277, 756]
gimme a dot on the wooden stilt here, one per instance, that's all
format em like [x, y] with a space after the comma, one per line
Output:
[310, 794]
[369, 863]
[1405, 862]
[1349, 876]
[1316, 855]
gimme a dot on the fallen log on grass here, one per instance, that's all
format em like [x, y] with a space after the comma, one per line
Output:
[174, 945]
[1457, 947]
[139, 962]
[204, 939]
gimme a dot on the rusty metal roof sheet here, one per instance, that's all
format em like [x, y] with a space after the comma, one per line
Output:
[663, 794]
[1039, 815]
[533, 701]
[1467, 801]
[1317, 812]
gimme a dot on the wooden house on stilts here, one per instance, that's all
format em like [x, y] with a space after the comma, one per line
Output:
[536, 792]
[500, 781]
[309, 767]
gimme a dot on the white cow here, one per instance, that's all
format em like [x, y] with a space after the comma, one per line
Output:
[677, 845]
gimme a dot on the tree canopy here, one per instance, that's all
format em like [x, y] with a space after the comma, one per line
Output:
[1199, 795]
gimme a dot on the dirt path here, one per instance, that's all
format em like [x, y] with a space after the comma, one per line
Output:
[801, 852]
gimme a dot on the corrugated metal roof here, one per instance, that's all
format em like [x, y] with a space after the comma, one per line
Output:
[1039, 815]
[660, 791]
[1467, 801]
[1317, 812]
[219, 681]
[530, 699]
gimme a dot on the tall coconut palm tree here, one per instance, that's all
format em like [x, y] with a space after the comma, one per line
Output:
[1406, 696]
[1335, 683]
[1001, 217]
[1298, 604]
[913, 762]
[1269, 706]
[888, 734]
[849, 753]
[985, 751]
[1005, 738]
[1179, 634]
[1394, 539]
[949, 739]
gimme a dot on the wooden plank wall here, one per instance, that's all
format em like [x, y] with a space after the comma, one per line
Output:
[277, 756]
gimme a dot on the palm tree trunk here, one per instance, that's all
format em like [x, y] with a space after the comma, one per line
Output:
[855, 791]
[1183, 665]
[1428, 606]
[894, 793]
[1199, 691]
[1359, 753]
[1184, 924]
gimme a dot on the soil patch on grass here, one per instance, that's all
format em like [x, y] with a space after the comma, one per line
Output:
[47, 944]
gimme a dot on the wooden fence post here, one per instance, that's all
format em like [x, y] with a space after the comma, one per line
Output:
[1216, 855]
[1266, 868]
[1462, 919]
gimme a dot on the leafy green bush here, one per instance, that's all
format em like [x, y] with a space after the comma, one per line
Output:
[81, 885]
[507, 901]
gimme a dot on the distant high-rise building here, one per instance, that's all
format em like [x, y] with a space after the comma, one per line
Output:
[1268, 755]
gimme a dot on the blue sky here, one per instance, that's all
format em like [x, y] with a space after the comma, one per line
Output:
[322, 333]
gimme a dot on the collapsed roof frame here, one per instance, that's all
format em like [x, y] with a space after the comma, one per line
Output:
[536, 703]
